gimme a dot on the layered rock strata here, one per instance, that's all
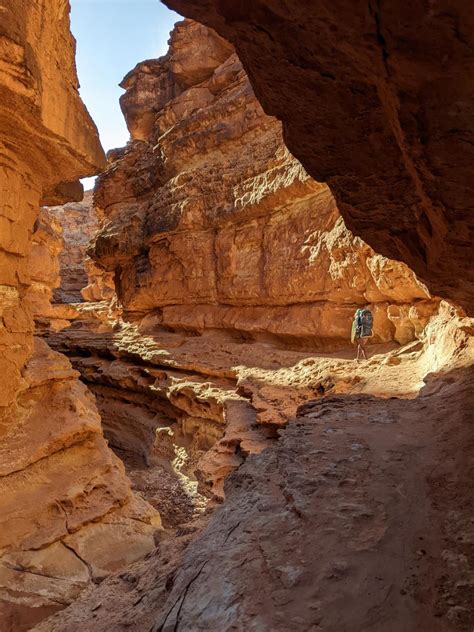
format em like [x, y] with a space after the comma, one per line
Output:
[49, 268]
[374, 100]
[42, 147]
[225, 230]
[161, 401]
[225, 233]
[46, 246]
[261, 253]
[78, 274]
[63, 492]
[68, 514]
[358, 517]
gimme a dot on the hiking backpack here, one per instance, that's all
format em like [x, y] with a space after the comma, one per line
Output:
[365, 322]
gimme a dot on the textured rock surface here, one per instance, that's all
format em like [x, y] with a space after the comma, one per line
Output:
[44, 266]
[225, 230]
[197, 406]
[67, 512]
[40, 149]
[161, 400]
[50, 268]
[347, 548]
[100, 284]
[375, 101]
[358, 517]
[79, 223]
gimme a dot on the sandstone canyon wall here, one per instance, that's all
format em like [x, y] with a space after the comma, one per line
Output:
[40, 151]
[79, 223]
[46, 246]
[376, 101]
[211, 228]
[224, 252]
[225, 229]
[61, 488]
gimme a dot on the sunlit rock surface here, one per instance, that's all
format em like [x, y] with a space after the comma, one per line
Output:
[225, 229]
[46, 246]
[375, 100]
[347, 490]
[224, 235]
[358, 513]
[39, 151]
[59, 481]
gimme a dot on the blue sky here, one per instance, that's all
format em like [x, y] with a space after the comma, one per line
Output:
[112, 37]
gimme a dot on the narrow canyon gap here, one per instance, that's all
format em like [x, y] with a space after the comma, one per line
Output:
[209, 455]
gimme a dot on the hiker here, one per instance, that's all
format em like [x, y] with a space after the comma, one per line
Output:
[362, 330]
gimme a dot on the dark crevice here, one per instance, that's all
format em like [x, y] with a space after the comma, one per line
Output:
[85, 562]
[375, 12]
[181, 596]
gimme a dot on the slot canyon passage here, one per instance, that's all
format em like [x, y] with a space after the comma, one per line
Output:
[187, 442]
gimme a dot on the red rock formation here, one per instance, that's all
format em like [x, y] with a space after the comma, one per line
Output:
[358, 517]
[225, 230]
[63, 492]
[343, 549]
[374, 98]
[79, 223]
[68, 516]
[323, 529]
[46, 246]
[265, 254]
[40, 150]
[100, 284]
[160, 399]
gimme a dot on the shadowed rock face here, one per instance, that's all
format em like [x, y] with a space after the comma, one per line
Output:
[225, 229]
[376, 100]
